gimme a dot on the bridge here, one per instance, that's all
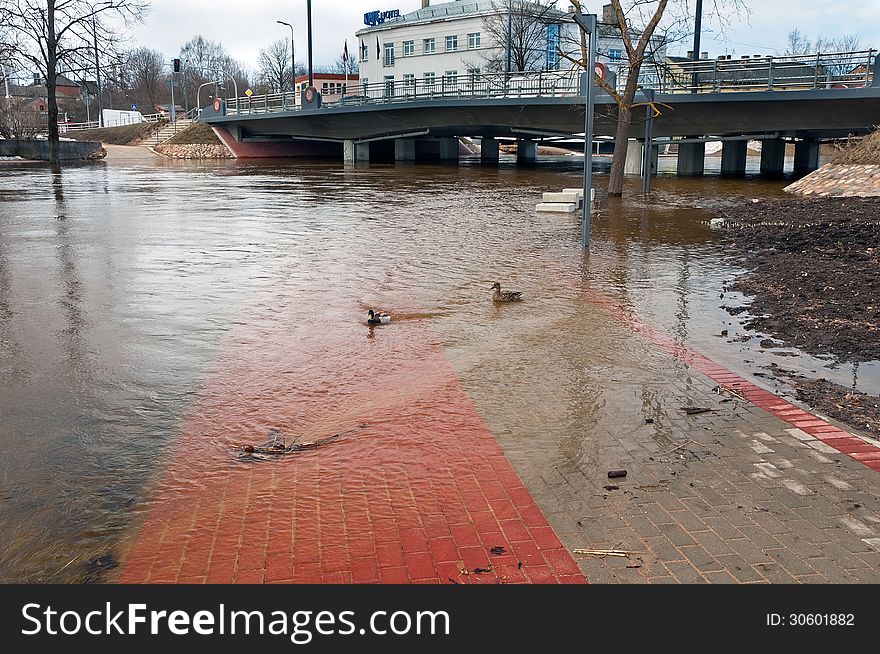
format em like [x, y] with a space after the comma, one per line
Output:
[775, 100]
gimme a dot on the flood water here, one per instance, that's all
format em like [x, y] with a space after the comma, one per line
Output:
[120, 285]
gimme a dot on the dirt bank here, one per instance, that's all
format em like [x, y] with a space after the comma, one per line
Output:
[122, 135]
[814, 274]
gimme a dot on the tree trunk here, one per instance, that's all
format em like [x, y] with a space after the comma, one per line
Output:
[51, 84]
[621, 137]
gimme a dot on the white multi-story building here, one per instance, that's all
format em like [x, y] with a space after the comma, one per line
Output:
[444, 43]
[450, 44]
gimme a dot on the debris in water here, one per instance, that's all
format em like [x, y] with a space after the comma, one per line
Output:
[497, 550]
[614, 474]
[277, 446]
[611, 487]
[696, 410]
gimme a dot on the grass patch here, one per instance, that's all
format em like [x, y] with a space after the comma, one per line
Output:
[195, 134]
[860, 151]
[122, 135]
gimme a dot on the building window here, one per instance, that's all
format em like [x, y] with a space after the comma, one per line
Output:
[365, 51]
[430, 46]
[450, 78]
[430, 78]
[474, 75]
[473, 40]
[389, 54]
[409, 48]
[451, 43]
[553, 46]
[615, 54]
[409, 80]
[389, 85]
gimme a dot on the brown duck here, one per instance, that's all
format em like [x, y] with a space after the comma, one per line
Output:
[504, 296]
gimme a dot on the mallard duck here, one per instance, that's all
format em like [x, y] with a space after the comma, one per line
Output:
[504, 296]
[377, 318]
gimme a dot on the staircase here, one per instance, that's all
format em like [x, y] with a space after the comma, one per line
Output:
[171, 129]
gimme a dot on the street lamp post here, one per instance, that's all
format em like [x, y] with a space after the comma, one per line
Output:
[198, 92]
[509, 37]
[698, 20]
[588, 23]
[98, 73]
[309, 18]
[292, 57]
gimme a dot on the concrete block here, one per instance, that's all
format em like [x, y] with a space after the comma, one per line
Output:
[562, 197]
[580, 192]
[557, 207]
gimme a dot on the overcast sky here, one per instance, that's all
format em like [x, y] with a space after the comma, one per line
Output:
[244, 27]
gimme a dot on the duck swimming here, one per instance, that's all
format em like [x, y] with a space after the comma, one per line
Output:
[377, 318]
[504, 296]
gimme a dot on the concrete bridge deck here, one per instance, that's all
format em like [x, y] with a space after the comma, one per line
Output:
[408, 122]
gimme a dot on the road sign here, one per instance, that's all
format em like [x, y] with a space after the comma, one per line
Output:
[134, 107]
[248, 93]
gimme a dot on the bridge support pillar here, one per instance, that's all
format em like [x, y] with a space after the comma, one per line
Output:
[526, 151]
[635, 154]
[773, 157]
[353, 152]
[633, 164]
[489, 150]
[806, 156]
[449, 149]
[733, 157]
[404, 150]
[691, 159]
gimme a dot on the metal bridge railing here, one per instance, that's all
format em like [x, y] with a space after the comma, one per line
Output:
[468, 86]
[760, 73]
[723, 75]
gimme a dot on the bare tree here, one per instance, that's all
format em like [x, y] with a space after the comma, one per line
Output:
[519, 27]
[208, 61]
[52, 34]
[19, 120]
[274, 63]
[644, 26]
[144, 77]
[799, 45]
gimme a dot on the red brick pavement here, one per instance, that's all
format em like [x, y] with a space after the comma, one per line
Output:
[842, 441]
[420, 494]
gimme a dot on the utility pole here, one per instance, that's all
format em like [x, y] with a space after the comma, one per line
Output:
[698, 21]
[98, 73]
[292, 58]
[309, 17]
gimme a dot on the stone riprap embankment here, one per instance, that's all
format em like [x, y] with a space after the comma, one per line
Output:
[194, 151]
[840, 181]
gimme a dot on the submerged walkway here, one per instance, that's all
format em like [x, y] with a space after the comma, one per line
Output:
[421, 493]
[755, 490]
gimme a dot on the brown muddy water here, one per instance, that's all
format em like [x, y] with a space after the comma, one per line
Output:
[119, 285]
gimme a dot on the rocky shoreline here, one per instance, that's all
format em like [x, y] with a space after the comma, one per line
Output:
[194, 151]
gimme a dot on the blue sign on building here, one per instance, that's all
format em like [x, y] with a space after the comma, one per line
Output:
[374, 18]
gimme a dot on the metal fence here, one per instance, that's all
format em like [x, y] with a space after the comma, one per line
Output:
[94, 124]
[468, 86]
[723, 75]
[760, 73]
